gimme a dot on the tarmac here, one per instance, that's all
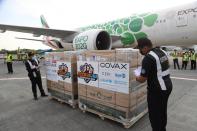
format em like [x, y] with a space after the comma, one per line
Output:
[19, 112]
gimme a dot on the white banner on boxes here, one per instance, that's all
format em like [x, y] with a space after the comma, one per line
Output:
[114, 76]
[64, 71]
[51, 70]
[87, 72]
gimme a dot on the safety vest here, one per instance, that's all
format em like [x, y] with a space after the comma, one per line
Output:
[9, 58]
[193, 56]
[185, 57]
[31, 65]
[175, 55]
[162, 66]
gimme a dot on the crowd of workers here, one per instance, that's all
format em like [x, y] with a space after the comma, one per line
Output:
[187, 57]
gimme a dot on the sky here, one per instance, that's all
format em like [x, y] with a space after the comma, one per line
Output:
[68, 15]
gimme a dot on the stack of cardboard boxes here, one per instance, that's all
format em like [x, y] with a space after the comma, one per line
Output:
[102, 82]
[107, 86]
[62, 76]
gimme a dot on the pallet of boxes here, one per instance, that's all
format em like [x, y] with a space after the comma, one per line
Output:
[61, 69]
[107, 85]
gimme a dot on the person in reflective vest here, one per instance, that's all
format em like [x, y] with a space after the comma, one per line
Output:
[33, 68]
[185, 60]
[193, 60]
[155, 69]
[9, 63]
[175, 59]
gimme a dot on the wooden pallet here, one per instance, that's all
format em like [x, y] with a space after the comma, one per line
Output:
[72, 103]
[127, 123]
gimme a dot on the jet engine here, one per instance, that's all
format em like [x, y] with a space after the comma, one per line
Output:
[94, 39]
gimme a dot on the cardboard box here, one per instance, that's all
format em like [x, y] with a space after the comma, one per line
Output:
[114, 104]
[97, 55]
[62, 76]
[82, 90]
[131, 56]
[103, 95]
[108, 100]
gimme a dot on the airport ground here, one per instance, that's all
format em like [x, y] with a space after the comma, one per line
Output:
[19, 112]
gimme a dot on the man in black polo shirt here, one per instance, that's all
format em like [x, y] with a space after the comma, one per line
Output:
[155, 69]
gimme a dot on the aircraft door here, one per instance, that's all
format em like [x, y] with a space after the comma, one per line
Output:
[181, 20]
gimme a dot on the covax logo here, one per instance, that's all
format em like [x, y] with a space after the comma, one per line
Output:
[113, 65]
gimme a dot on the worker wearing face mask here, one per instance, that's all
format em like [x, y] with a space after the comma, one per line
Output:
[155, 70]
[33, 68]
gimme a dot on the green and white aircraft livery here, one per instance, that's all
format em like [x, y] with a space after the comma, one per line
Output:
[130, 29]
[174, 26]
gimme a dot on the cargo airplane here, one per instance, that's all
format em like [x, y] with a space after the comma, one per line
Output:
[173, 26]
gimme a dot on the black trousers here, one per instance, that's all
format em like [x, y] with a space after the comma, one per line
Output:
[176, 62]
[193, 65]
[184, 65]
[9, 66]
[157, 108]
[37, 81]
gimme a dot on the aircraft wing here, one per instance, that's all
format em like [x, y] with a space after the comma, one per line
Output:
[37, 31]
[66, 35]
[29, 39]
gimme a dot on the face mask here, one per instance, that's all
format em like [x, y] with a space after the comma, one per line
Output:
[33, 58]
[141, 52]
